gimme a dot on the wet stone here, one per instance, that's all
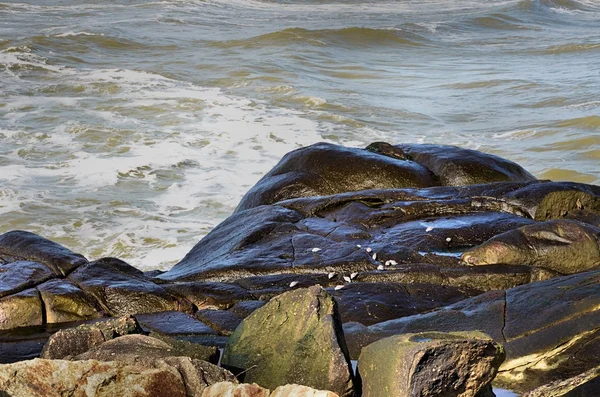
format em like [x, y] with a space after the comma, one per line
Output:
[21, 309]
[222, 321]
[173, 323]
[65, 302]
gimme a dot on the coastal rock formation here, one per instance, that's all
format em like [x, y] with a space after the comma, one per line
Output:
[457, 364]
[223, 389]
[405, 238]
[295, 338]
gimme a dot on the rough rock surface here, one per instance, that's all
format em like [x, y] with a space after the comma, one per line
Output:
[295, 338]
[457, 364]
[300, 391]
[58, 378]
[226, 389]
[582, 385]
[395, 253]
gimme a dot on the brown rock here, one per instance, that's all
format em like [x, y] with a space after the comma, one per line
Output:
[300, 391]
[21, 309]
[223, 389]
[458, 364]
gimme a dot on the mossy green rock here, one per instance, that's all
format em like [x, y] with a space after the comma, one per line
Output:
[455, 364]
[295, 338]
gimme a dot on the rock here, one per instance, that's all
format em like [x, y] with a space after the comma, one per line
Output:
[300, 391]
[147, 351]
[430, 364]
[21, 309]
[296, 337]
[57, 378]
[245, 308]
[224, 389]
[18, 276]
[455, 166]
[189, 349]
[123, 290]
[370, 303]
[174, 323]
[564, 246]
[74, 341]
[65, 302]
[222, 321]
[582, 385]
[549, 329]
[207, 295]
[323, 169]
[19, 245]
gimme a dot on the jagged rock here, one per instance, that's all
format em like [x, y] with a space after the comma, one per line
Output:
[323, 169]
[57, 378]
[564, 246]
[455, 166]
[122, 289]
[460, 364]
[549, 329]
[74, 341]
[20, 245]
[18, 276]
[583, 385]
[295, 338]
[225, 389]
[21, 309]
[300, 391]
[65, 302]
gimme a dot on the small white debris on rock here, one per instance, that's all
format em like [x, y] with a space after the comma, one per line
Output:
[359, 246]
[331, 275]
[338, 287]
[391, 262]
[448, 239]
[429, 228]
[347, 279]
[368, 249]
[316, 249]
[353, 275]
[375, 256]
[380, 267]
[293, 284]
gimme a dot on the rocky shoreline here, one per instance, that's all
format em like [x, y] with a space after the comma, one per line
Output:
[409, 258]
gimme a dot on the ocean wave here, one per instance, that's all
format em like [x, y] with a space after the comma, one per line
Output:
[347, 37]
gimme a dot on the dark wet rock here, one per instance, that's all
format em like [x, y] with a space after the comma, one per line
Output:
[19, 245]
[21, 309]
[209, 295]
[430, 364]
[323, 169]
[18, 276]
[74, 341]
[65, 302]
[122, 289]
[57, 378]
[238, 390]
[582, 385]
[370, 303]
[300, 341]
[173, 323]
[455, 166]
[564, 246]
[245, 308]
[554, 200]
[540, 325]
[222, 321]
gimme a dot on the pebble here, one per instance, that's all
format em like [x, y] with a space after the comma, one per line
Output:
[429, 228]
[448, 239]
[293, 284]
[391, 262]
[368, 249]
[353, 275]
[331, 275]
[316, 249]
[347, 279]
[380, 267]
[338, 287]
[375, 256]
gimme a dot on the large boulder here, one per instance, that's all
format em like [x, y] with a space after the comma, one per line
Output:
[65, 302]
[323, 169]
[564, 246]
[21, 309]
[295, 338]
[457, 364]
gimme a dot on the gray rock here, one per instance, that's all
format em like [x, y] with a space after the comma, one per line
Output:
[18, 276]
[457, 364]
